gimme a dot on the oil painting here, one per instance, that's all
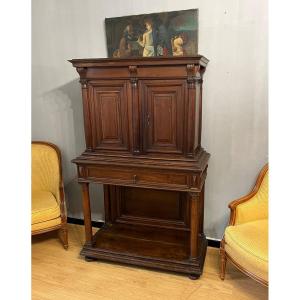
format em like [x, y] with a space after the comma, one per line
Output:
[172, 33]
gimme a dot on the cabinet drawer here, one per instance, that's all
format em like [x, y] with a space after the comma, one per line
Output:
[135, 176]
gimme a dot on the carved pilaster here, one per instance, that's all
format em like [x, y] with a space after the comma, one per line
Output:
[86, 112]
[133, 75]
[190, 127]
[191, 75]
[135, 109]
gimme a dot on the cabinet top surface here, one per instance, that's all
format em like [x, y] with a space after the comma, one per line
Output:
[89, 62]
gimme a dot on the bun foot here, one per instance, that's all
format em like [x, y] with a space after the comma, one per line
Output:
[88, 258]
[194, 276]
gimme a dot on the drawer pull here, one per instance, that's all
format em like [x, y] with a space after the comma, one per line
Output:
[134, 178]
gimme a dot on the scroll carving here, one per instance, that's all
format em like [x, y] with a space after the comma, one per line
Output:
[81, 70]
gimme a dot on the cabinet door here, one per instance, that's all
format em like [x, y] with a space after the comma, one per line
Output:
[163, 103]
[109, 115]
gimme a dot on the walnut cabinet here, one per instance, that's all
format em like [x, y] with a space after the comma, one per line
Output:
[142, 121]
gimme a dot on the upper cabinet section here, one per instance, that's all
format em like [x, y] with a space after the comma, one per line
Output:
[146, 67]
[144, 106]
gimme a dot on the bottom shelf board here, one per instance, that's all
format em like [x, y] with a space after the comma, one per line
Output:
[166, 249]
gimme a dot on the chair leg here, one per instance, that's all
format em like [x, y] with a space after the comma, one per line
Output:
[223, 259]
[63, 236]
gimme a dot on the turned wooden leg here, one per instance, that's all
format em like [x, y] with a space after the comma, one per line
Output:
[194, 213]
[87, 212]
[63, 236]
[223, 259]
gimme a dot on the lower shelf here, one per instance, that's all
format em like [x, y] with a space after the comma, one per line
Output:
[165, 249]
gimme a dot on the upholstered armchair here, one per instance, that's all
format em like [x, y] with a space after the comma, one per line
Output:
[245, 241]
[48, 210]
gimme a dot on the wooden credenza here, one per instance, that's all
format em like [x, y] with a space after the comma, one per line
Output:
[142, 120]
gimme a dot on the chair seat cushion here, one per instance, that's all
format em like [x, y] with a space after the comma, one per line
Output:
[44, 207]
[247, 245]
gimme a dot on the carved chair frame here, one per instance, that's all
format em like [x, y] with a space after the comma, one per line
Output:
[233, 205]
[62, 228]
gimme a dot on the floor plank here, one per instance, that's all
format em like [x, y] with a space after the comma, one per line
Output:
[61, 274]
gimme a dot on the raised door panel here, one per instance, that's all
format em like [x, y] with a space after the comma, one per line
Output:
[109, 116]
[163, 106]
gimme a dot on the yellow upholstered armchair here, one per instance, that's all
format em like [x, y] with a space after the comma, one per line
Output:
[245, 241]
[48, 210]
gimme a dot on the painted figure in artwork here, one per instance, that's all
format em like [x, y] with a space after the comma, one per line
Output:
[173, 33]
[125, 47]
[146, 41]
[177, 45]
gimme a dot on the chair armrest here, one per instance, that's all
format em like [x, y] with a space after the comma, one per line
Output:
[234, 204]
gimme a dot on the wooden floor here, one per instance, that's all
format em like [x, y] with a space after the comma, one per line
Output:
[59, 274]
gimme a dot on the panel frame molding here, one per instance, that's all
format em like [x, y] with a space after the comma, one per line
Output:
[113, 88]
[176, 88]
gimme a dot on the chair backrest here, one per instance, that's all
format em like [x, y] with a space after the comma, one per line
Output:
[257, 207]
[45, 168]
[263, 197]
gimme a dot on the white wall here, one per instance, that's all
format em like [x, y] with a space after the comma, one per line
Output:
[232, 35]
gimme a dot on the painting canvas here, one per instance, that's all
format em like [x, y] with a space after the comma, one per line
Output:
[172, 33]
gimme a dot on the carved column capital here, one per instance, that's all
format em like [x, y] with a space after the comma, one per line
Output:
[84, 83]
[194, 195]
[198, 80]
[194, 183]
[81, 171]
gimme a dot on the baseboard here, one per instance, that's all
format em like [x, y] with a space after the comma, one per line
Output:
[81, 222]
[211, 242]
